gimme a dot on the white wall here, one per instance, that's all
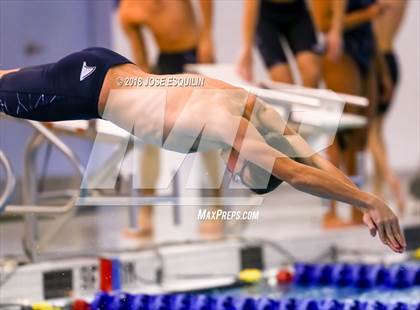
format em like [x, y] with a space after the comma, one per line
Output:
[403, 125]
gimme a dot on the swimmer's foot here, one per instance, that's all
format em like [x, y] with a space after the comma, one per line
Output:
[131, 233]
[211, 229]
[332, 221]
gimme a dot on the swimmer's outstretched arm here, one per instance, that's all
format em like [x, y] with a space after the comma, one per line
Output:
[270, 120]
[378, 217]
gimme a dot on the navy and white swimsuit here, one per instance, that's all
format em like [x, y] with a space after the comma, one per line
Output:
[66, 90]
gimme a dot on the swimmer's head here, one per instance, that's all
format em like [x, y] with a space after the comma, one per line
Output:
[253, 176]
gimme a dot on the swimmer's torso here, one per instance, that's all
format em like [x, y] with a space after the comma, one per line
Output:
[172, 117]
[172, 22]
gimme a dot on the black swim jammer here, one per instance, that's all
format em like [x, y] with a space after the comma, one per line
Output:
[65, 90]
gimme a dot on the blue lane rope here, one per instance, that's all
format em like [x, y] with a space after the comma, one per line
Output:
[362, 276]
[124, 301]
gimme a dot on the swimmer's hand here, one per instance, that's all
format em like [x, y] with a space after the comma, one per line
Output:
[334, 45]
[377, 8]
[380, 219]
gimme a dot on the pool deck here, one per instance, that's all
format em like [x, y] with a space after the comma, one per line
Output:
[287, 218]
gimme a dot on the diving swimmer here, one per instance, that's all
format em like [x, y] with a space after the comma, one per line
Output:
[257, 145]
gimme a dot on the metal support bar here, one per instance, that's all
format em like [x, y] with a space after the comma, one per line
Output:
[10, 181]
[29, 180]
[175, 194]
[30, 230]
[30, 196]
[60, 145]
[29, 183]
[321, 94]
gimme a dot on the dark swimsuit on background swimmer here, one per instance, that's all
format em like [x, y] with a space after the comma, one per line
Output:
[393, 68]
[359, 44]
[287, 18]
[66, 90]
[359, 41]
[173, 63]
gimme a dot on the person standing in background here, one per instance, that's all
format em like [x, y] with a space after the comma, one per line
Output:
[265, 22]
[386, 27]
[352, 73]
[181, 39]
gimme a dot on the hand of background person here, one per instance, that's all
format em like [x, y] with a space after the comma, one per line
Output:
[334, 45]
[377, 8]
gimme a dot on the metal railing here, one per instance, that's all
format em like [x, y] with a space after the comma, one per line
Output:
[29, 180]
[10, 181]
[33, 241]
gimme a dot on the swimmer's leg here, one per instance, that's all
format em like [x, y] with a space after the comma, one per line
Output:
[211, 228]
[370, 91]
[149, 174]
[382, 169]
[272, 52]
[331, 219]
[341, 76]
[309, 65]
[281, 72]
